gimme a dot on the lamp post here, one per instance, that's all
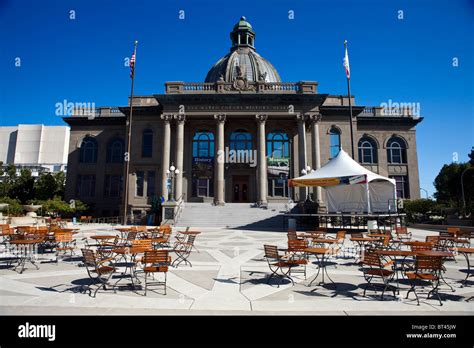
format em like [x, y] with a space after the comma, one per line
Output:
[305, 171]
[422, 189]
[171, 175]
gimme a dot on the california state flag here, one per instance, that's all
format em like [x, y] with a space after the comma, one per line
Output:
[346, 64]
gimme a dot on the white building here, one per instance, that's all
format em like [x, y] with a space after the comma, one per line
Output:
[37, 147]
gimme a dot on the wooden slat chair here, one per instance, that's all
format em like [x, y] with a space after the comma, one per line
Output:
[64, 243]
[401, 235]
[463, 238]
[427, 270]
[374, 267]
[297, 255]
[292, 235]
[156, 261]
[435, 240]
[340, 239]
[408, 263]
[183, 251]
[278, 264]
[6, 232]
[98, 271]
[162, 239]
[385, 242]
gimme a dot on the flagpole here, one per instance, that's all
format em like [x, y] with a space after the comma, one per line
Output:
[128, 139]
[350, 106]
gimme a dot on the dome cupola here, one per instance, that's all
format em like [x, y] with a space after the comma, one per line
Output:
[242, 62]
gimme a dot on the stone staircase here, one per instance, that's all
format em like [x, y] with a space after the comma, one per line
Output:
[232, 215]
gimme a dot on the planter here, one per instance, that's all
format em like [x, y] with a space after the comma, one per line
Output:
[31, 209]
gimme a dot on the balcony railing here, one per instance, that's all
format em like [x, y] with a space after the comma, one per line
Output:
[378, 111]
[229, 87]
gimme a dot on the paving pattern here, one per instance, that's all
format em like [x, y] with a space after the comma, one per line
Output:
[228, 276]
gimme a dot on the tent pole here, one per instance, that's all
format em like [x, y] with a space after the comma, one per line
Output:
[368, 194]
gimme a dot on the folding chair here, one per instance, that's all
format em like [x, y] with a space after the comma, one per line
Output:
[373, 267]
[277, 264]
[183, 250]
[97, 271]
[427, 270]
[64, 243]
[156, 261]
[297, 254]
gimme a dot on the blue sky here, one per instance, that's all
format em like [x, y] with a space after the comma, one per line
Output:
[405, 60]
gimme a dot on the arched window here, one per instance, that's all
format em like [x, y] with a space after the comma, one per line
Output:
[88, 152]
[396, 151]
[367, 151]
[115, 151]
[240, 140]
[278, 145]
[147, 143]
[334, 141]
[203, 144]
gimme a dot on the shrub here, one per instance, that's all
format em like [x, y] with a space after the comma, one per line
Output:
[420, 210]
[14, 207]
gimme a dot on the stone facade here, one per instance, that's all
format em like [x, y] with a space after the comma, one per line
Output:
[189, 124]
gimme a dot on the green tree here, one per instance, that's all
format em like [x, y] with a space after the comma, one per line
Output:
[45, 187]
[448, 185]
[22, 187]
[471, 157]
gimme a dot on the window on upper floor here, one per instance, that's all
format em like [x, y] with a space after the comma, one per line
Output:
[88, 150]
[334, 142]
[147, 143]
[115, 151]
[367, 151]
[396, 151]
[240, 140]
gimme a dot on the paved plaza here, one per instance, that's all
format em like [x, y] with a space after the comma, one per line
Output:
[228, 276]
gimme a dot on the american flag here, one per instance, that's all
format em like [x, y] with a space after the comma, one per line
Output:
[346, 63]
[132, 65]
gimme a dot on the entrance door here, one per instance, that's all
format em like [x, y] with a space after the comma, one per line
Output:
[240, 188]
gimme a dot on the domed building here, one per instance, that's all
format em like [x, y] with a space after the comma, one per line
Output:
[236, 137]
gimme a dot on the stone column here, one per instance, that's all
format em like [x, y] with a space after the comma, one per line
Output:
[302, 162]
[165, 164]
[315, 150]
[180, 119]
[262, 160]
[219, 193]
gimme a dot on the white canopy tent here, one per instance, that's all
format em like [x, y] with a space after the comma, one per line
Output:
[350, 187]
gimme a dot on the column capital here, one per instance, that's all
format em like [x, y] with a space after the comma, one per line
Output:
[220, 117]
[261, 117]
[180, 118]
[300, 117]
[167, 117]
[314, 117]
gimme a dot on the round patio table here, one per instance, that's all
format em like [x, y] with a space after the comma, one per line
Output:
[466, 252]
[321, 254]
[131, 266]
[26, 248]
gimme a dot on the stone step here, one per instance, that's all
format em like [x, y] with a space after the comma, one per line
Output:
[232, 215]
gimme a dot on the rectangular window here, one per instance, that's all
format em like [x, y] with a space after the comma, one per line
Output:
[278, 187]
[403, 190]
[85, 186]
[150, 189]
[113, 185]
[139, 183]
